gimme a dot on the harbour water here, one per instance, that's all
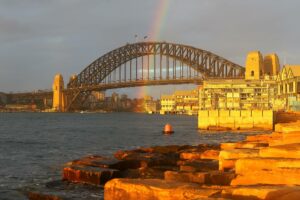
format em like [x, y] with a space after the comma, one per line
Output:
[34, 146]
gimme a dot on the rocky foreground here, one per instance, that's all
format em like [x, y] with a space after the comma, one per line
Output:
[263, 166]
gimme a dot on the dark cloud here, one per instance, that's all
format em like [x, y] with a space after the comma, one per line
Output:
[42, 37]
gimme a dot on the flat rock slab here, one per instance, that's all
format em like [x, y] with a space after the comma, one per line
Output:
[287, 138]
[89, 175]
[282, 151]
[220, 178]
[227, 158]
[193, 177]
[287, 127]
[263, 193]
[149, 189]
[238, 153]
[103, 162]
[244, 145]
[245, 165]
[208, 178]
[198, 165]
[61, 190]
[263, 137]
[148, 159]
[194, 155]
[273, 177]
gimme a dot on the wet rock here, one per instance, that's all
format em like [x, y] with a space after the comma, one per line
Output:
[149, 159]
[61, 190]
[167, 149]
[89, 175]
[103, 162]
[149, 189]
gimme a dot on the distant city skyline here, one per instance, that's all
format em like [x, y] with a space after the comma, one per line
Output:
[41, 38]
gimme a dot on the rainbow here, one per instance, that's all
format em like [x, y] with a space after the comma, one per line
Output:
[159, 19]
[155, 31]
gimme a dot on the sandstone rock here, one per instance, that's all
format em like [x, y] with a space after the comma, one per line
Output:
[273, 177]
[148, 159]
[282, 151]
[226, 164]
[150, 189]
[243, 166]
[227, 158]
[244, 145]
[238, 153]
[194, 177]
[210, 155]
[264, 137]
[167, 149]
[90, 175]
[103, 162]
[228, 145]
[62, 190]
[287, 127]
[220, 178]
[207, 154]
[287, 138]
[262, 192]
[198, 165]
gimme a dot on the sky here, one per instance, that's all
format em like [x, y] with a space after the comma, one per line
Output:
[39, 38]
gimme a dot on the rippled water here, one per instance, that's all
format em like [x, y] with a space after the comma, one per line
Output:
[34, 146]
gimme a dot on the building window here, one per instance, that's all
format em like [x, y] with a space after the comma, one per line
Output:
[291, 87]
[252, 73]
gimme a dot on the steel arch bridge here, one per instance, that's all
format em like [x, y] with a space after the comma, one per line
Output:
[149, 63]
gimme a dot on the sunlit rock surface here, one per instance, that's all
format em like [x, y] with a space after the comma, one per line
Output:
[149, 189]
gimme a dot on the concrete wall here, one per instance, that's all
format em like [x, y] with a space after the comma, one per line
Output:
[236, 119]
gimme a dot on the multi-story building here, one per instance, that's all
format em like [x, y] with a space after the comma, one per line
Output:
[167, 103]
[250, 102]
[180, 102]
[287, 88]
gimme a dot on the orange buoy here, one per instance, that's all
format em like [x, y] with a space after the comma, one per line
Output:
[168, 129]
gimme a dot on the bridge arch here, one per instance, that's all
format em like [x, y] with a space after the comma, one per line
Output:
[205, 63]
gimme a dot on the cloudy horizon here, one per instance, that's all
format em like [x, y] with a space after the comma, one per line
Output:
[40, 38]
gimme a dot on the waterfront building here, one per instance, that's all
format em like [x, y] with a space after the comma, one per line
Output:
[180, 102]
[241, 103]
[186, 101]
[167, 103]
[288, 88]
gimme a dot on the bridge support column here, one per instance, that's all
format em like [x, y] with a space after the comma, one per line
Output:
[58, 94]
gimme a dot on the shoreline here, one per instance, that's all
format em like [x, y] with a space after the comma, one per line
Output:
[263, 166]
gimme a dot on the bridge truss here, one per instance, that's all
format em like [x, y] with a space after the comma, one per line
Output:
[149, 63]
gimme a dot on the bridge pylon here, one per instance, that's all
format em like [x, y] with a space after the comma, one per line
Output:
[59, 98]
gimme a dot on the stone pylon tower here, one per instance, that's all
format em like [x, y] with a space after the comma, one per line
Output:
[271, 64]
[254, 66]
[58, 94]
